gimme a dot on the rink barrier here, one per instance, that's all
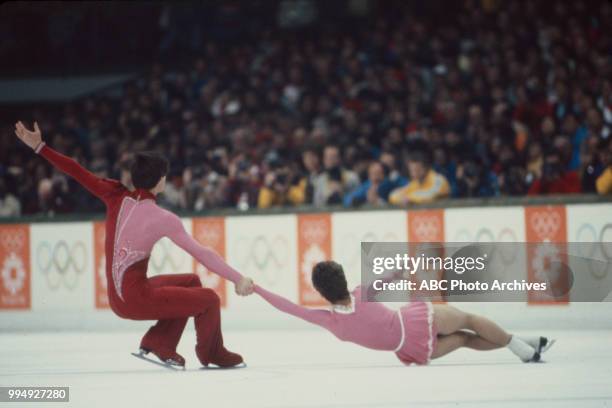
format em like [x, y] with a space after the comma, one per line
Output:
[54, 271]
[506, 201]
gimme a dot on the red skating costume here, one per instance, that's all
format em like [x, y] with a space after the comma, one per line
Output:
[134, 223]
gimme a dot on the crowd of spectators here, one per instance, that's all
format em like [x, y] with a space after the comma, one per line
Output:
[504, 98]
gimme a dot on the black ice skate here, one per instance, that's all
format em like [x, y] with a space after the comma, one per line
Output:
[168, 363]
[545, 344]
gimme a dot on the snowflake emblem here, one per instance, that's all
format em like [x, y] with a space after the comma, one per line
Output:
[546, 257]
[209, 280]
[13, 273]
[313, 255]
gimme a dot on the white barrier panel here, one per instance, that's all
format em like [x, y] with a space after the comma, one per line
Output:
[62, 272]
[496, 224]
[169, 258]
[352, 228]
[264, 248]
[51, 275]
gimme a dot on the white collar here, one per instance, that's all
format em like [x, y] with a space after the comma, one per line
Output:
[345, 309]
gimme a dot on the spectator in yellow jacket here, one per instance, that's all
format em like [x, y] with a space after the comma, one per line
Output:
[426, 185]
[603, 184]
[281, 189]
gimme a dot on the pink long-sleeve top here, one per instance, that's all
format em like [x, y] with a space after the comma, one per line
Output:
[369, 324]
[134, 223]
[141, 223]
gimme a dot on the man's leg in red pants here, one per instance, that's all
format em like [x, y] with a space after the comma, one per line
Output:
[163, 337]
[162, 302]
[210, 347]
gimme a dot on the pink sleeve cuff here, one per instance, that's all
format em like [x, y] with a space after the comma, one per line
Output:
[39, 147]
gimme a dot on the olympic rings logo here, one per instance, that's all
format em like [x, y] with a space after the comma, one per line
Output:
[486, 235]
[587, 233]
[545, 224]
[350, 246]
[267, 255]
[62, 264]
[163, 260]
[507, 253]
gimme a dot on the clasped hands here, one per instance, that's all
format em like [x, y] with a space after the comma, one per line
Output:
[245, 286]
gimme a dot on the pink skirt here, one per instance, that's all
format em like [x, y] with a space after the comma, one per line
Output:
[420, 334]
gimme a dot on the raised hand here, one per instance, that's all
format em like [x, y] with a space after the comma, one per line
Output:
[29, 137]
[245, 287]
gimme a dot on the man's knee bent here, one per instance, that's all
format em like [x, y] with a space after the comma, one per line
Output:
[212, 299]
[195, 281]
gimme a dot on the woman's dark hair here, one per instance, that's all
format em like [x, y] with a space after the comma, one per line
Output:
[147, 169]
[328, 278]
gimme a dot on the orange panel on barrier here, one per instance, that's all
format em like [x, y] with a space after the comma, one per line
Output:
[546, 231]
[426, 227]
[100, 282]
[15, 272]
[314, 245]
[210, 232]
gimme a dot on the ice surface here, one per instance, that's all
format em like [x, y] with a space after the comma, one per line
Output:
[306, 368]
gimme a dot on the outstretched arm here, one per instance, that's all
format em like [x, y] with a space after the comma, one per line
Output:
[96, 185]
[316, 316]
[206, 256]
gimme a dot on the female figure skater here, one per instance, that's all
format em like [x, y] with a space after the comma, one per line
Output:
[134, 223]
[416, 333]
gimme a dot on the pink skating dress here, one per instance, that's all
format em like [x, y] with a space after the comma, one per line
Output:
[409, 332]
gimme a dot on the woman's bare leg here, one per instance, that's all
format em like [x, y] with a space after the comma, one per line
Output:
[449, 319]
[478, 343]
[452, 342]
[446, 344]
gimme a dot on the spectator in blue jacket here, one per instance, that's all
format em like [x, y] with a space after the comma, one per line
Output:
[375, 190]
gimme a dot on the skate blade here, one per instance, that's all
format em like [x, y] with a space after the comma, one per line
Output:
[216, 367]
[548, 345]
[170, 366]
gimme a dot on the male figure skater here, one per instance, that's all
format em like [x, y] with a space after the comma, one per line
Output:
[134, 223]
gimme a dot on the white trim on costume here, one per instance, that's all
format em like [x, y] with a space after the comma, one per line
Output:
[403, 338]
[39, 147]
[430, 324]
[345, 309]
[130, 257]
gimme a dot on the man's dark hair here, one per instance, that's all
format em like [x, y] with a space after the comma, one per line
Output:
[312, 148]
[147, 169]
[329, 280]
[420, 156]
